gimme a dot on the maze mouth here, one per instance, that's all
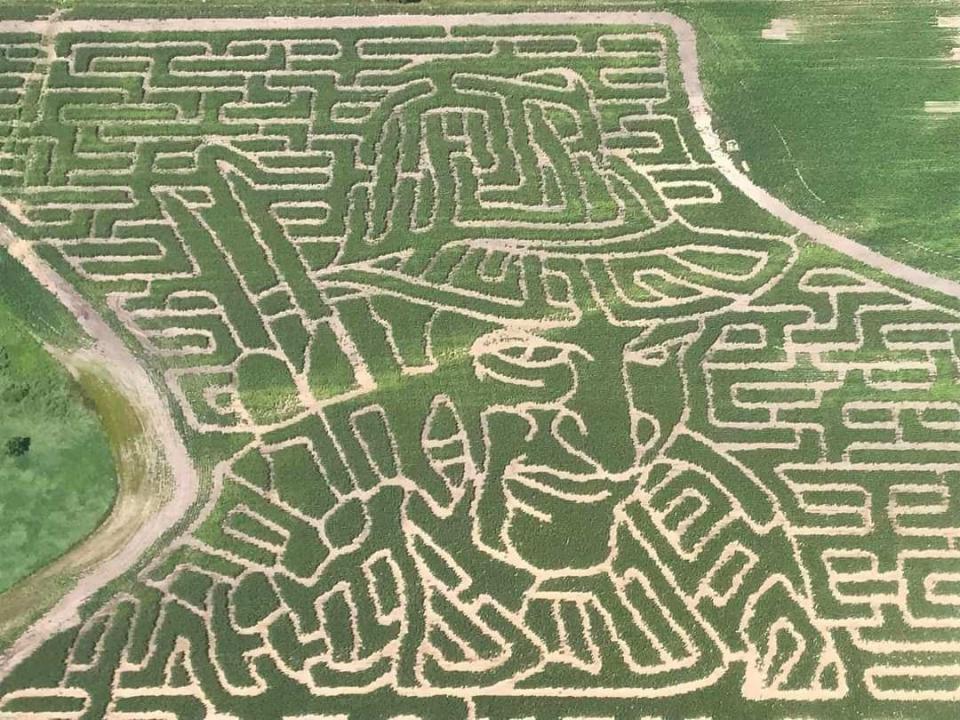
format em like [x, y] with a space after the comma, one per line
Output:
[562, 485]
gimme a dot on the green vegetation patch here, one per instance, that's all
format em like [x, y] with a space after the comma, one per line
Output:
[57, 479]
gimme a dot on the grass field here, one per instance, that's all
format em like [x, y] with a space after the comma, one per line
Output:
[514, 404]
[137, 492]
[24, 301]
[60, 489]
[840, 106]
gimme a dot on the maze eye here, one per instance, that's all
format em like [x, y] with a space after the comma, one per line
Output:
[661, 347]
[656, 357]
[544, 354]
[522, 359]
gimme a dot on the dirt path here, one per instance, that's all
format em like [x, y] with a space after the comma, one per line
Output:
[133, 526]
[144, 484]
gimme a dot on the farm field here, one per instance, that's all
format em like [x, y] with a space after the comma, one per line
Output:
[849, 118]
[510, 393]
[56, 473]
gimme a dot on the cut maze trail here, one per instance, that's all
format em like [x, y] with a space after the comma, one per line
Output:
[516, 390]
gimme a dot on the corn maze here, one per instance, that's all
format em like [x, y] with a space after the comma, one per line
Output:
[512, 406]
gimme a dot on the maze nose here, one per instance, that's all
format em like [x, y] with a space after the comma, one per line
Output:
[546, 450]
[604, 428]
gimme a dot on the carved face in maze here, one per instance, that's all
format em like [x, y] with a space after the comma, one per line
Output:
[580, 418]
[565, 406]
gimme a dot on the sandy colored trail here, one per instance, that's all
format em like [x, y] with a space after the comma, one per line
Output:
[133, 525]
[124, 369]
[144, 484]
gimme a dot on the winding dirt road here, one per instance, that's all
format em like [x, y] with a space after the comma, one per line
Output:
[132, 527]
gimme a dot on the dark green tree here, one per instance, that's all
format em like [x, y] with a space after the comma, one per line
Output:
[18, 446]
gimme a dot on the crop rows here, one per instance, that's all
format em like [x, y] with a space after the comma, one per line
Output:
[513, 402]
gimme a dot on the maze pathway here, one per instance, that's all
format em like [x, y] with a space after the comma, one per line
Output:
[512, 404]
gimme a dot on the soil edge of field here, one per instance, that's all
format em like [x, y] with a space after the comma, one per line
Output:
[143, 484]
[154, 450]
